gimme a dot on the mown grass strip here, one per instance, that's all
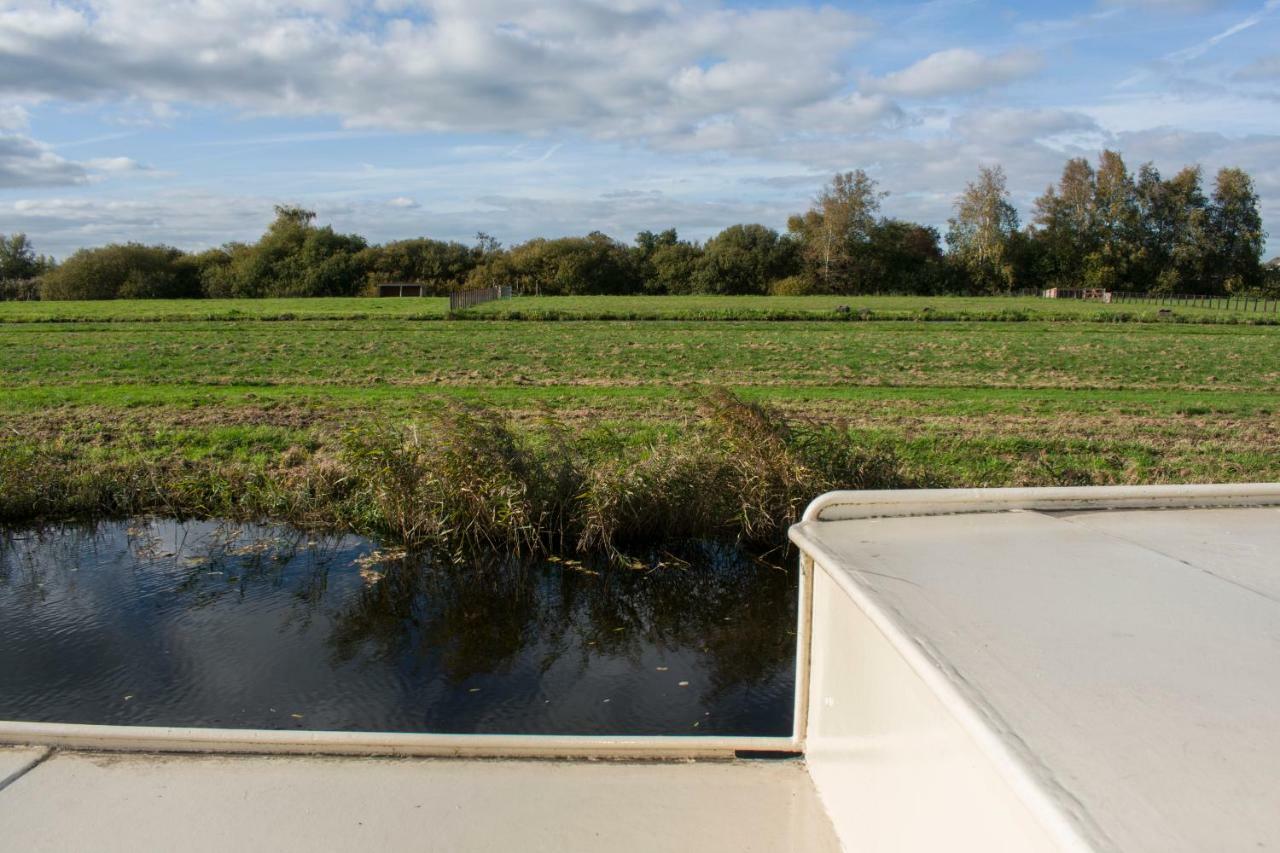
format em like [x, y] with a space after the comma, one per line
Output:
[623, 308]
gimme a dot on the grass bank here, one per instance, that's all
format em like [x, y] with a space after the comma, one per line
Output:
[584, 421]
[468, 478]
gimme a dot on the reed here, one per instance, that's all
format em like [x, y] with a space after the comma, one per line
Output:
[468, 479]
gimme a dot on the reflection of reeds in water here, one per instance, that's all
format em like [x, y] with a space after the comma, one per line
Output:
[468, 479]
[737, 612]
[708, 621]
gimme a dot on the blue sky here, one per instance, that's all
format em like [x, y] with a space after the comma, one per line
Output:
[185, 122]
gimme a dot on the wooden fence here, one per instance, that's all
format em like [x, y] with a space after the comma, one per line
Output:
[1188, 300]
[461, 299]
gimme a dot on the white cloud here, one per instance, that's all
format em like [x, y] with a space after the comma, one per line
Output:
[116, 165]
[666, 111]
[13, 118]
[1016, 125]
[631, 70]
[24, 162]
[957, 70]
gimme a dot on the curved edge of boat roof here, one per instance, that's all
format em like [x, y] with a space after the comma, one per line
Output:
[890, 503]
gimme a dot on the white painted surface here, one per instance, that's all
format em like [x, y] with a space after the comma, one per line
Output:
[14, 761]
[896, 770]
[280, 742]
[848, 506]
[99, 802]
[1119, 670]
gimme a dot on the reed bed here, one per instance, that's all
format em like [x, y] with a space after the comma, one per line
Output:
[468, 479]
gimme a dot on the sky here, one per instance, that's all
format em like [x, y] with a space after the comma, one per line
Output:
[184, 122]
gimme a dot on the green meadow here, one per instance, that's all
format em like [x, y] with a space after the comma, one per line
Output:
[208, 406]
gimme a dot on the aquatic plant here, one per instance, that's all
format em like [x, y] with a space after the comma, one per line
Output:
[468, 478]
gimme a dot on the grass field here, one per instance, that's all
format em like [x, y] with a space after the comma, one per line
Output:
[1001, 309]
[176, 407]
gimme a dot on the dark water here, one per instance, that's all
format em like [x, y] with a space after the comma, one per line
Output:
[200, 624]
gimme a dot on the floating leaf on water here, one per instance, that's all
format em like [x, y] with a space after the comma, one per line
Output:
[381, 556]
[256, 547]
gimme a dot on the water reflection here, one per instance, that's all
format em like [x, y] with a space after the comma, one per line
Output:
[159, 622]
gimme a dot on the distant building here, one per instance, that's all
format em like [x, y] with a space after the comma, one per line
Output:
[1097, 294]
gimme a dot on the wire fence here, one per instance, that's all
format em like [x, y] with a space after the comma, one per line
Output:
[1190, 300]
[461, 299]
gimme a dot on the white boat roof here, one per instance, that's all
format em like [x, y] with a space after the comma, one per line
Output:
[1128, 659]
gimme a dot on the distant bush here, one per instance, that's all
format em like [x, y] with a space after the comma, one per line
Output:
[19, 289]
[793, 285]
[123, 271]
[568, 266]
[441, 266]
[745, 259]
[294, 258]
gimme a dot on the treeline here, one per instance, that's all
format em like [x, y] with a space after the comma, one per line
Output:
[1097, 227]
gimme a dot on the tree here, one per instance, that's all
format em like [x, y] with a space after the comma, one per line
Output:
[833, 233]
[123, 271]
[296, 216]
[1236, 232]
[18, 260]
[666, 263]
[673, 267]
[982, 231]
[564, 266]
[745, 259]
[1065, 220]
[293, 258]
[902, 257]
[20, 268]
[1179, 231]
[1116, 255]
[441, 266]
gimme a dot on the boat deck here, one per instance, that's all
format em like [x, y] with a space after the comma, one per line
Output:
[130, 802]
[1125, 662]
